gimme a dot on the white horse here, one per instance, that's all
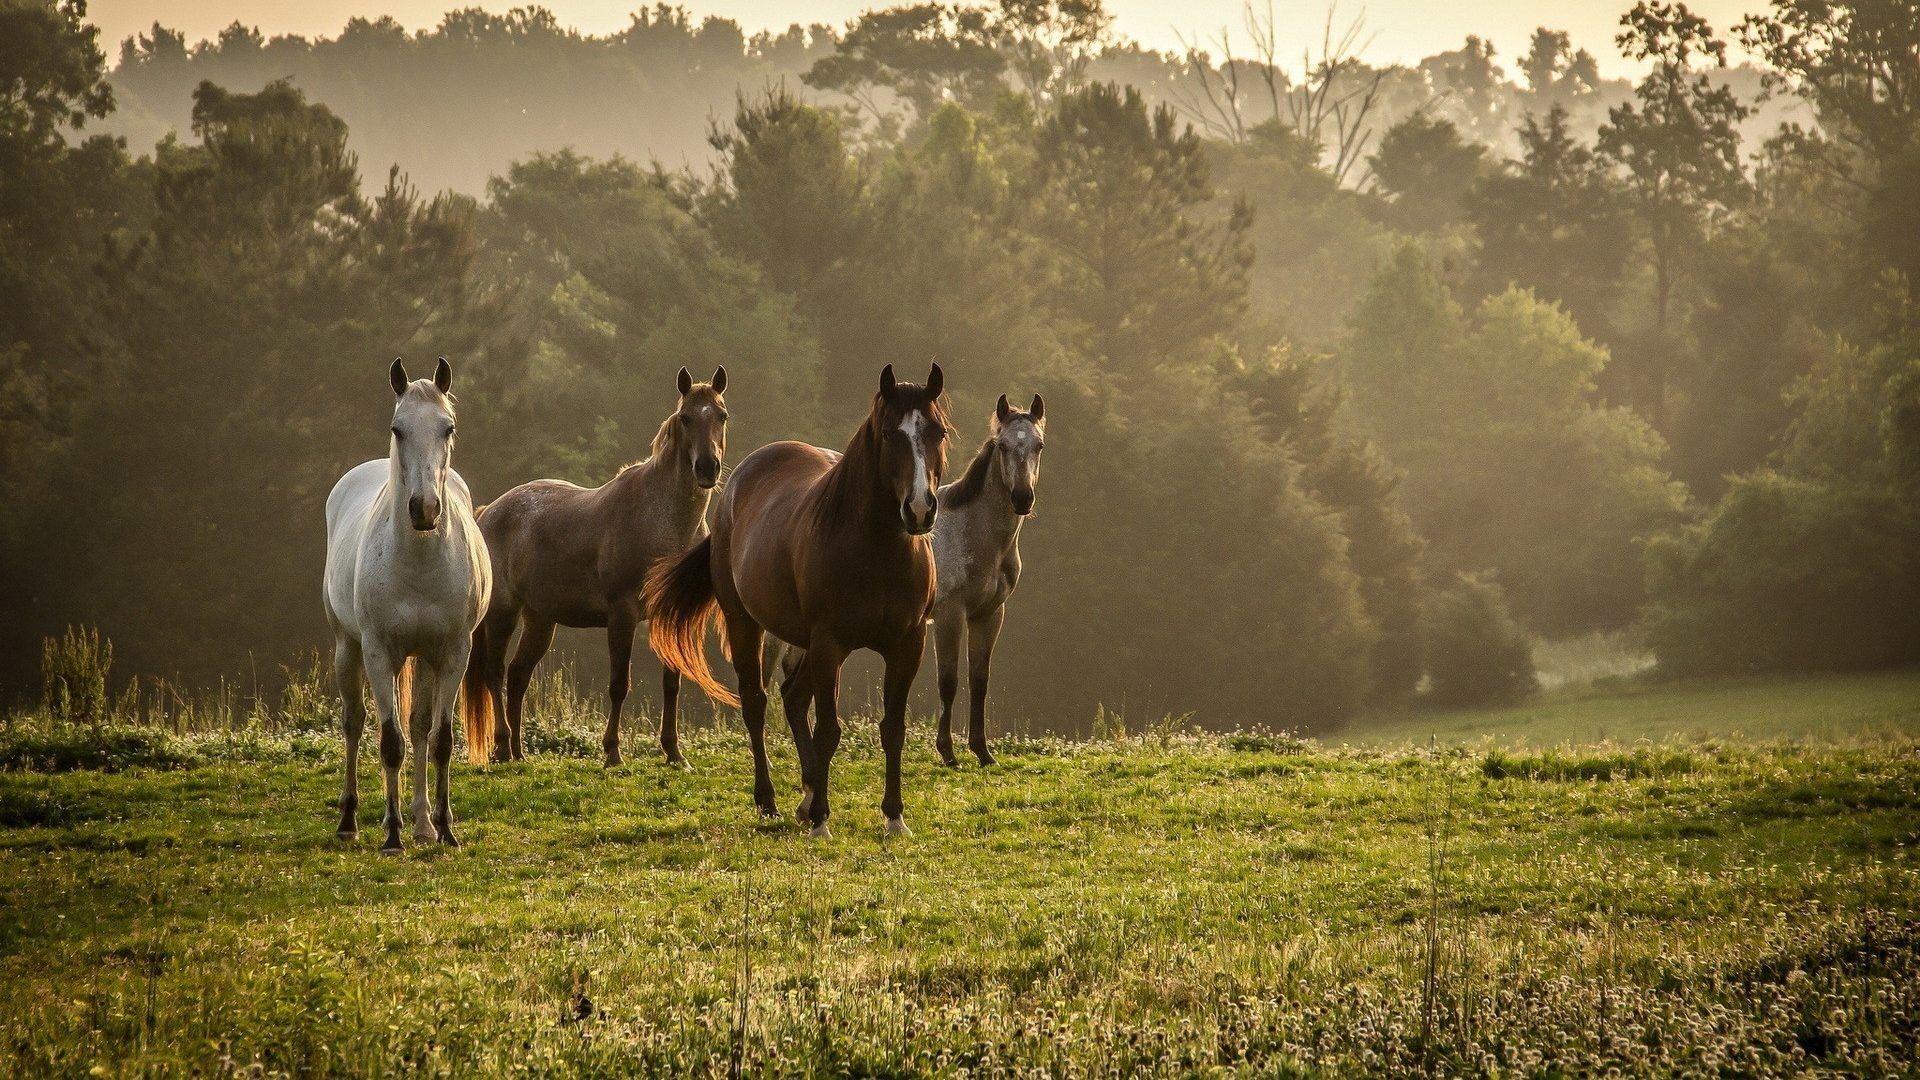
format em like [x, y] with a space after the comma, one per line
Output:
[408, 579]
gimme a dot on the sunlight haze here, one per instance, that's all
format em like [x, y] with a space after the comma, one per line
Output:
[1402, 31]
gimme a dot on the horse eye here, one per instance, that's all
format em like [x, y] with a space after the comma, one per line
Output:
[396, 433]
[449, 431]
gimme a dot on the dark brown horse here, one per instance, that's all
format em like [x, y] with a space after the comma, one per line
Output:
[828, 552]
[564, 555]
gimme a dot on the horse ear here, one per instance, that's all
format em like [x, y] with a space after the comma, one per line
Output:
[1038, 410]
[935, 381]
[686, 381]
[886, 382]
[1003, 411]
[443, 377]
[397, 375]
[720, 379]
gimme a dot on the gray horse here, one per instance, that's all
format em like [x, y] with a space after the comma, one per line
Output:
[976, 556]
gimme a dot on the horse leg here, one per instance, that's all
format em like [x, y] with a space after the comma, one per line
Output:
[445, 694]
[497, 633]
[823, 671]
[743, 643]
[949, 623]
[347, 674]
[982, 632]
[903, 663]
[420, 721]
[670, 715]
[795, 698]
[621, 623]
[536, 637]
[382, 673]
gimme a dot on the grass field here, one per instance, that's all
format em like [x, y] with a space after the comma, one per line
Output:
[1166, 903]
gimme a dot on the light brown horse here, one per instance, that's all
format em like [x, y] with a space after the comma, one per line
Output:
[828, 552]
[564, 555]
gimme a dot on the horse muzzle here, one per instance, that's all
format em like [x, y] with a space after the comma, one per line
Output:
[424, 512]
[916, 522]
[706, 472]
[1023, 502]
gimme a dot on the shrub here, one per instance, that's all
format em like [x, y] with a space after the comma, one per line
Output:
[1787, 575]
[1476, 653]
[73, 675]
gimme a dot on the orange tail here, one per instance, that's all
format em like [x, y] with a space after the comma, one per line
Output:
[476, 698]
[680, 604]
[403, 694]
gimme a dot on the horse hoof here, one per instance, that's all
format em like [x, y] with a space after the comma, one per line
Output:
[821, 832]
[675, 761]
[614, 761]
[346, 835]
[392, 846]
[985, 758]
[769, 811]
[447, 838]
[801, 813]
[898, 827]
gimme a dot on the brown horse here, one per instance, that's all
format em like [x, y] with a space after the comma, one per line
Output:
[828, 552]
[570, 556]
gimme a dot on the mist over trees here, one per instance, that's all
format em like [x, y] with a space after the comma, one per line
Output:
[1356, 375]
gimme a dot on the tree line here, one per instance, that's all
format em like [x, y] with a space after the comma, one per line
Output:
[1317, 436]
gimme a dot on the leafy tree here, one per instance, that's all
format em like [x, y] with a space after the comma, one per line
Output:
[792, 199]
[921, 54]
[1297, 405]
[1476, 653]
[619, 287]
[1678, 149]
[1117, 185]
[1315, 243]
[1048, 43]
[253, 320]
[1553, 222]
[1555, 71]
[1427, 169]
[61, 199]
[1457, 403]
[1859, 64]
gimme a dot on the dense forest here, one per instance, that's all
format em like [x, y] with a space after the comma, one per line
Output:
[1359, 378]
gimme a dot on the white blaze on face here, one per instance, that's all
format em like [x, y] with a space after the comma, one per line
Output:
[914, 428]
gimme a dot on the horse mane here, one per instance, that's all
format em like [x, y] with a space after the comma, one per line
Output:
[665, 438]
[850, 483]
[974, 480]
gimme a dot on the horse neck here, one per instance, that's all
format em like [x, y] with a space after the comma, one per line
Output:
[853, 496]
[662, 484]
[995, 526]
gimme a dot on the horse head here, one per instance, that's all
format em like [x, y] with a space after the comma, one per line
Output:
[1018, 438]
[700, 425]
[422, 446]
[910, 423]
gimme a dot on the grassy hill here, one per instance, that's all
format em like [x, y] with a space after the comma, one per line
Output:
[1166, 904]
[1832, 709]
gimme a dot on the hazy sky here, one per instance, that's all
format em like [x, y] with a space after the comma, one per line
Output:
[1402, 30]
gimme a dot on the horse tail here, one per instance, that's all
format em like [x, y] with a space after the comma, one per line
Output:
[476, 697]
[680, 604]
[403, 693]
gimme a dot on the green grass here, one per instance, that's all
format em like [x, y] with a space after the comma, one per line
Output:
[1829, 709]
[1168, 904]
